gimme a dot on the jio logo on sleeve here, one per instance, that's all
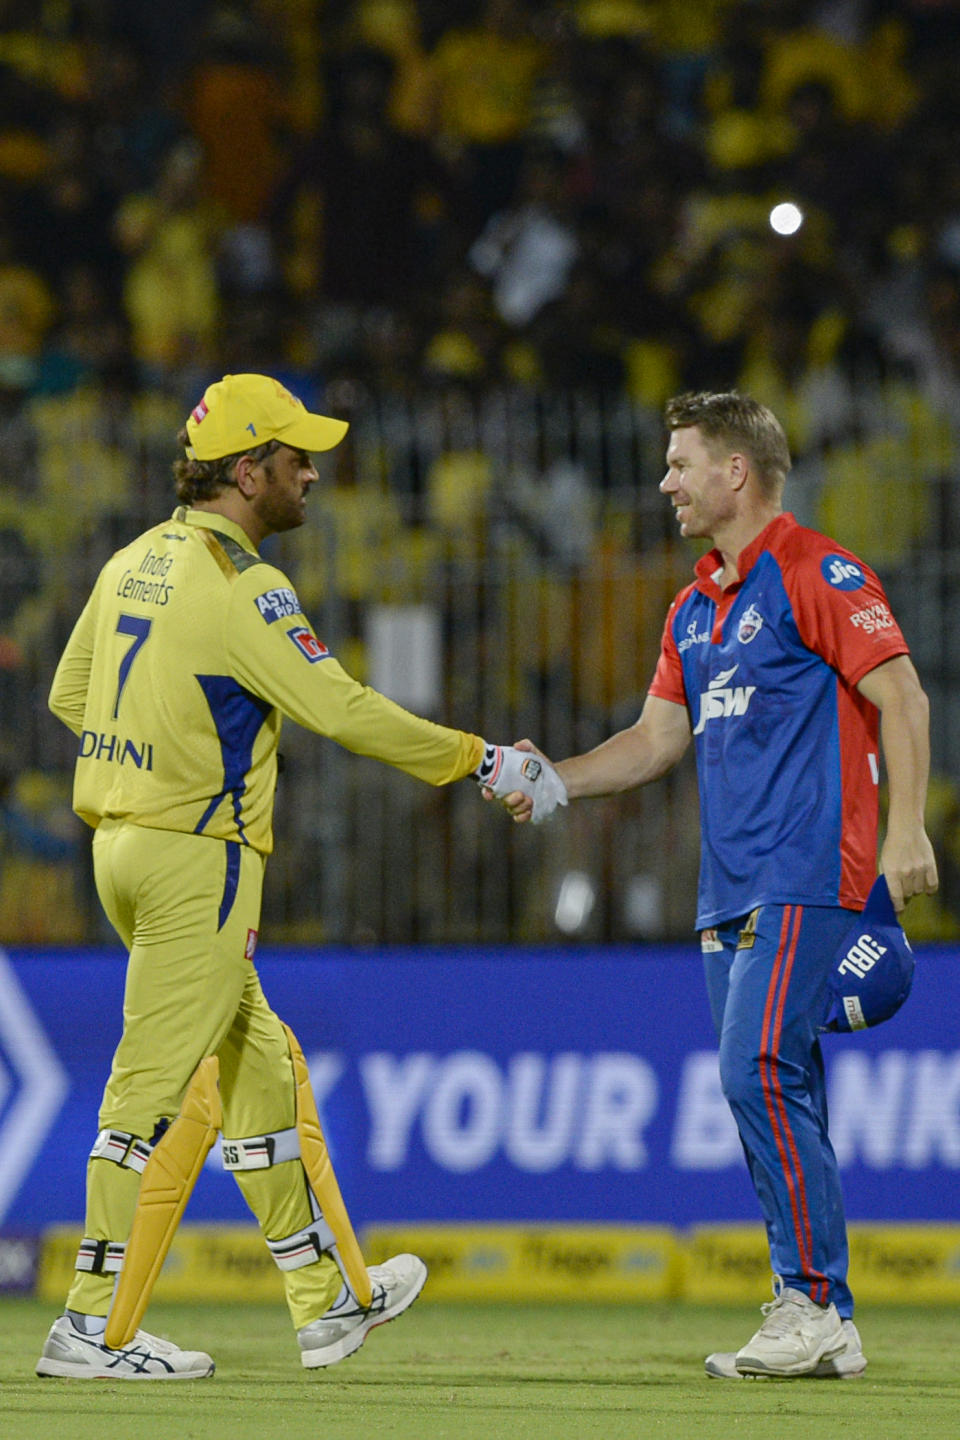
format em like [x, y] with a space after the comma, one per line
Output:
[841, 573]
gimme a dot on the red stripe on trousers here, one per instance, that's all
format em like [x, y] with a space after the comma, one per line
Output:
[773, 1097]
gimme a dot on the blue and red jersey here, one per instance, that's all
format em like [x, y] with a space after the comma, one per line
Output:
[787, 747]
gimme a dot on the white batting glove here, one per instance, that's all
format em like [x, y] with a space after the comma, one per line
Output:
[505, 769]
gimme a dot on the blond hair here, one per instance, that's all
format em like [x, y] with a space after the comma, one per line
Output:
[732, 421]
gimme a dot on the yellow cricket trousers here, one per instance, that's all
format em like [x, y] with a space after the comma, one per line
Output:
[187, 907]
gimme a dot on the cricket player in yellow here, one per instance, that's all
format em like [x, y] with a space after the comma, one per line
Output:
[188, 653]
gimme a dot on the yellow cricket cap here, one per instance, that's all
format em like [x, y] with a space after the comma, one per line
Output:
[240, 412]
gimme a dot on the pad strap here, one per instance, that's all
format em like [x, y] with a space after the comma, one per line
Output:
[303, 1248]
[259, 1152]
[127, 1150]
[100, 1257]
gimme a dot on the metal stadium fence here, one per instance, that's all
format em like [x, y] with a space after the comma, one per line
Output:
[499, 562]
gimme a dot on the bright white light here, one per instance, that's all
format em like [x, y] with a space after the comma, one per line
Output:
[786, 219]
[575, 902]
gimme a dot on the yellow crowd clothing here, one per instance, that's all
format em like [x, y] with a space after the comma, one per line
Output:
[485, 82]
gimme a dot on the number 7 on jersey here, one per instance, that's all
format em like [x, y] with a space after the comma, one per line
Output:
[138, 627]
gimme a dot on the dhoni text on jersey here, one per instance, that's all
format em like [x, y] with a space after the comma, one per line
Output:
[98, 745]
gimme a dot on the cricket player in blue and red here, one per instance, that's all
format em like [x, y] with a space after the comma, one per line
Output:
[783, 663]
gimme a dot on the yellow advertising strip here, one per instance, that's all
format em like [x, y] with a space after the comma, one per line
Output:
[216, 1262]
[726, 1264]
[711, 1264]
[537, 1262]
[908, 1264]
[58, 1254]
[889, 1264]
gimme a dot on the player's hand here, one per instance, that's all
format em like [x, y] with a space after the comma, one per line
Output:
[909, 864]
[521, 807]
[523, 779]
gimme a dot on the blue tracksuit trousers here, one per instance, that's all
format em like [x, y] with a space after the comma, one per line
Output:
[766, 979]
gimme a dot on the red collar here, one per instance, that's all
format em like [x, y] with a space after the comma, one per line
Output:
[711, 564]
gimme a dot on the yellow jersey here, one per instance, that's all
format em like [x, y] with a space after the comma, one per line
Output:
[188, 653]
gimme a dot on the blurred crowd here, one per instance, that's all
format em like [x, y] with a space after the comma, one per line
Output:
[388, 202]
[393, 193]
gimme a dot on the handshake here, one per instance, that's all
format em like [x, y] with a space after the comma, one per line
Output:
[505, 770]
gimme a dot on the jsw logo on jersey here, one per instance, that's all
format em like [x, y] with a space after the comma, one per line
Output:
[720, 700]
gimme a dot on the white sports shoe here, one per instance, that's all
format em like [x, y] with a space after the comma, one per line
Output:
[344, 1327]
[70, 1353]
[796, 1335]
[846, 1365]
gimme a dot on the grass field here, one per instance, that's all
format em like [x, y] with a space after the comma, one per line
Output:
[491, 1372]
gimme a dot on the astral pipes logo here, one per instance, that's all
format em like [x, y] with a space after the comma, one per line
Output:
[33, 1085]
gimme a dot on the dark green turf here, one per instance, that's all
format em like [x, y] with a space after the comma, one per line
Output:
[491, 1372]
